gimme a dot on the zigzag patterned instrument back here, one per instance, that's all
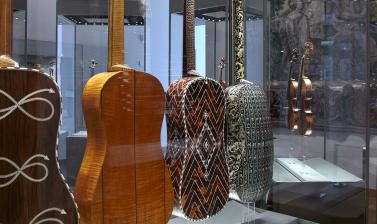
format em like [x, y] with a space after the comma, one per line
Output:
[196, 154]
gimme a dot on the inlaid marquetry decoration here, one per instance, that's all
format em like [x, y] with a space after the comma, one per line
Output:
[30, 110]
[249, 141]
[195, 121]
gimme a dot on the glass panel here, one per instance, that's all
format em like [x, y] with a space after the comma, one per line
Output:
[211, 38]
[373, 112]
[327, 170]
[19, 32]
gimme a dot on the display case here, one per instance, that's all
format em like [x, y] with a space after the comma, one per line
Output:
[326, 176]
[319, 175]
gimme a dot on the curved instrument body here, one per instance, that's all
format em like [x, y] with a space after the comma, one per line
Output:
[196, 155]
[195, 121]
[123, 177]
[306, 118]
[304, 96]
[249, 140]
[32, 188]
[292, 93]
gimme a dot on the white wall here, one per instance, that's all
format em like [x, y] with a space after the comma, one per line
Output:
[94, 42]
[41, 24]
[157, 48]
[157, 39]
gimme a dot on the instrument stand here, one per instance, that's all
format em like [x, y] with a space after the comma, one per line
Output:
[249, 217]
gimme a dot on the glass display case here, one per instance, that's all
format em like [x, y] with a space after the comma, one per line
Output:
[318, 176]
[327, 176]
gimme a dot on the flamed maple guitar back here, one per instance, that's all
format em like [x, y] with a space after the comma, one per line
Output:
[123, 178]
[195, 120]
[32, 188]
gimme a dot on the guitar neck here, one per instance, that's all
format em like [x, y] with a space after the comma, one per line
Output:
[188, 36]
[239, 39]
[116, 33]
[6, 20]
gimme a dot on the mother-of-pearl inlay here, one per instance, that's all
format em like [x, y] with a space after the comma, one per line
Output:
[61, 211]
[27, 99]
[20, 170]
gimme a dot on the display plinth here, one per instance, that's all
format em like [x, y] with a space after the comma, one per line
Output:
[312, 170]
[237, 213]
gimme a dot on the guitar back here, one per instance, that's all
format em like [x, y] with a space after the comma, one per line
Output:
[32, 188]
[196, 154]
[249, 141]
[123, 177]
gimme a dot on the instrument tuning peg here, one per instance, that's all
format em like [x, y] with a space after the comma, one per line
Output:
[309, 48]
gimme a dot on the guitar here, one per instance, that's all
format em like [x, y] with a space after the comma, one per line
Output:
[249, 130]
[195, 122]
[123, 177]
[32, 188]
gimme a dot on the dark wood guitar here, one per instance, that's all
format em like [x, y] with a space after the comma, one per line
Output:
[32, 188]
[195, 120]
[249, 129]
[123, 177]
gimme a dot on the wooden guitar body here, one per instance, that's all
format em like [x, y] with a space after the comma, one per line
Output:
[32, 188]
[123, 178]
[196, 154]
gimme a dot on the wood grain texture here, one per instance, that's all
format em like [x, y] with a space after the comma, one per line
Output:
[6, 19]
[123, 177]
[116, 34]
[124, 112]
[188, 37]
[22, 138]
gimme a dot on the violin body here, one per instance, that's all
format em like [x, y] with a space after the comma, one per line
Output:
[305, 114]
[299, 96]
[292, 95]
[293, 111]
[32, 188]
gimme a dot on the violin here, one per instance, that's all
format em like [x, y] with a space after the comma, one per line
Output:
[292, 93]
[304, 97]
